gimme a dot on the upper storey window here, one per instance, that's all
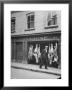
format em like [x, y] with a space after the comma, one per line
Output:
[30, 20]
[52, 18]
[13, 23]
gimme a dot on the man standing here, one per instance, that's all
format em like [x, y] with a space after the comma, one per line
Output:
[44, 57]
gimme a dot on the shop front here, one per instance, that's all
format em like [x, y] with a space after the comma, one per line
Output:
[21, 46]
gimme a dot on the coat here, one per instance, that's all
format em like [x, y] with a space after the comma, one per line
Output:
[44, 57]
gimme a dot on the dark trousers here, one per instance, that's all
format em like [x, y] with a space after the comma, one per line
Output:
[43, 61]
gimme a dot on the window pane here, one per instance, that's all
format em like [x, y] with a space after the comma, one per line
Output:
[32, 17]
[49, 15]
[49, 22]
[32, 25]
[28, 25]
[53, 13]
[28, 19]
[52, 22]
[13, 19]
[55, 19]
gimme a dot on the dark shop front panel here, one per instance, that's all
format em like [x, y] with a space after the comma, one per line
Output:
[19, 51]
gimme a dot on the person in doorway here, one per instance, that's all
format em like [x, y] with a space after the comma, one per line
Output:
[44, 57]
[55, 57]
[36, 53]
[55, 49]
[39, 54]
[55, 60]
[30, 53]
[50, 54]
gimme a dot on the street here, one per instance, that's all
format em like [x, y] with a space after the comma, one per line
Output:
[26, 74]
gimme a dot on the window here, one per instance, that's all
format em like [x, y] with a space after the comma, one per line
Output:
[52, 18]
[13, 22]
[30, 20]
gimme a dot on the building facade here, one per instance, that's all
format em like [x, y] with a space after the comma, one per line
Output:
[31, 28]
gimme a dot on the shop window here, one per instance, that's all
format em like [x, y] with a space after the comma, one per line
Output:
[35, 49]
[30, 20]
[13, 23]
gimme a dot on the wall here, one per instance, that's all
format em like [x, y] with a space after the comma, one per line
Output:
[40, 22]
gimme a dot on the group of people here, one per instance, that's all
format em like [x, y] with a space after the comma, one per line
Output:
[48, 56]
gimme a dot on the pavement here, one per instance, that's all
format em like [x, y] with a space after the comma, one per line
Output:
[35, 68]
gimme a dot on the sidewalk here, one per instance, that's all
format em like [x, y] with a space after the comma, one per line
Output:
[36, 68]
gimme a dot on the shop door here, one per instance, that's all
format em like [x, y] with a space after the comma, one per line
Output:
[19, 51]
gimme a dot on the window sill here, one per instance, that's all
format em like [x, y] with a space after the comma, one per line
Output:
[30, 29]
[51, 26]
[12, 31]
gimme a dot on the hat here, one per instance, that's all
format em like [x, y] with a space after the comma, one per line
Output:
[46, 46]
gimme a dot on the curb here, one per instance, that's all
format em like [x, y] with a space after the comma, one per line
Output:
[36, 70]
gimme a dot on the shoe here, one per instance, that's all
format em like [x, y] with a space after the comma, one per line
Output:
[40, 67]
[45, 67]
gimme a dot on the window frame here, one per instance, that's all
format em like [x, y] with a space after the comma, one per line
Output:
[51, 18]
[30, 22]
[14, 24]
